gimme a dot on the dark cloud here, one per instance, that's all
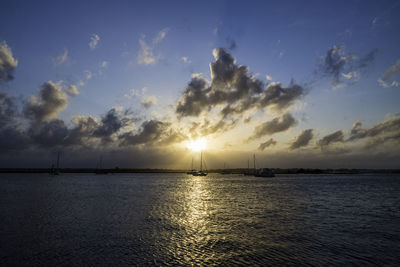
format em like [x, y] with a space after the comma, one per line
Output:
[82, 133]
[49, 133]
[389, 127]
[344, 67]
[331, 138]
[13, 139]
[7, 63]
[335, 62]
[367, 59]
[270, 142]
[8, 109]
[110, 124]
[234, 89]
[303, 139]
[152, 132]
[208, 127]
[381, 140]
[52, 100]
[276, 125]
[280, 98]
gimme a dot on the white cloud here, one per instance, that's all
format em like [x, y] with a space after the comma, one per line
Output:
[146, 53]
[388, 78]
[355, 75]
[72, 90]
[133, 93]
[88, 74]
[186, 59]
[160, 36]
[269, 78]
[148, 101]
[7, 62]
[104, 64]
[94, 40]
[61, 58]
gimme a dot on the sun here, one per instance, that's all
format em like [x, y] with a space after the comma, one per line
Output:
[197, 145]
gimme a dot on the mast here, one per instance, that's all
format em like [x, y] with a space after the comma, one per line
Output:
[201, 160]
[248, 166]
[254, 158]
[58, 160]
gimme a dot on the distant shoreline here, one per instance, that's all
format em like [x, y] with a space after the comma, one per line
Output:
[226, 171]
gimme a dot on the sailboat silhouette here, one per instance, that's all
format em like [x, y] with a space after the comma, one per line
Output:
[200, 172]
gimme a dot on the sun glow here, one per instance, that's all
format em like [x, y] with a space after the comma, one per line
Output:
[197, 145]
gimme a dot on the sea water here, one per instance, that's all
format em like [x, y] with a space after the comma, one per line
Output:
[178, 219]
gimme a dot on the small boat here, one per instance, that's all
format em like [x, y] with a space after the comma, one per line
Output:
[265, 172]
[201, 172]
[192, 171]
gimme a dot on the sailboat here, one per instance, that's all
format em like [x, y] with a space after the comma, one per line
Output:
[100, 169]
[264, 172]
[248, 173]
[192, 170]
[201, 172]
[56, 170]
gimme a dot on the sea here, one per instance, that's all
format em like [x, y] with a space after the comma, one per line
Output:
[182, 220]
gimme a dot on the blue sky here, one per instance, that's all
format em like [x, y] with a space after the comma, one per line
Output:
[110, 51]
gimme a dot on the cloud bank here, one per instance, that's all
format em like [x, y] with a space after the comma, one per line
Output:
[7, 63]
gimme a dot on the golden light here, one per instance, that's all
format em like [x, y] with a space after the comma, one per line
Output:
[197, 145]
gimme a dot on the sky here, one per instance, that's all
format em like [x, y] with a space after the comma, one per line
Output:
[312, 84]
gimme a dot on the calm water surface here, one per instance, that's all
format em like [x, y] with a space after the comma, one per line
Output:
[176, 219]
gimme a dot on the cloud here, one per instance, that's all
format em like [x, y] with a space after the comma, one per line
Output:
[8, 109]
[268, 78]
[72, 90]
[263, 146]
[48, 133]
[233, 88]
[208, 127]
[83, 131]
[331, 138]
[88, 74]
[186, 60]
[276, 125]
[146, 55]
[152, 132]
[303, 139]
[7, 63]
[94, 40]
[335, 62]
[148, 101]
[160, 36]
[51, 101]
[104, 64]
[388, 127]
[338, 64]
[111, 123]
[387, 79]
[62, 58]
